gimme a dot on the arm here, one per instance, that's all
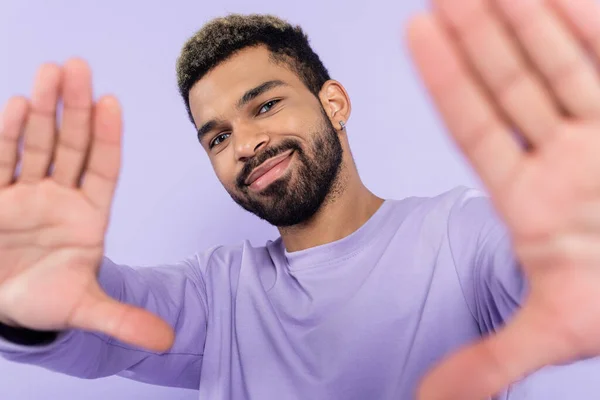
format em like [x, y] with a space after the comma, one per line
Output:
[492, 280]
[26, 336]
[175, 293]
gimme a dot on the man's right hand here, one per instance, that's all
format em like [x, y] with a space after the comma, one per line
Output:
[56, 190]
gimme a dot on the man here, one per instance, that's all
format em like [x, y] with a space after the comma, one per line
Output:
[360, 297]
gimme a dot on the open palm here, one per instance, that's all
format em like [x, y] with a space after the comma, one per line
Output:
[517, 86]
[54, 211]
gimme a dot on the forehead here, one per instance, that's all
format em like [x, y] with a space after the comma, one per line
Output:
[220, 89]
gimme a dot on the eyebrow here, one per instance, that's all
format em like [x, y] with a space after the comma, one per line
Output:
[244, 100]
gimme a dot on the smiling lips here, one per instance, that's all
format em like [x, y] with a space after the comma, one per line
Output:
[269, 171]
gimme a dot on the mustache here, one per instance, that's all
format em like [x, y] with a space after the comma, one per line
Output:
[263, 156]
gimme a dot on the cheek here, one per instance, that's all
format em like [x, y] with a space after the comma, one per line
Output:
[295, 119]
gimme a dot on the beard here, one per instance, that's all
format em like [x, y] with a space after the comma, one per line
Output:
[297, 196]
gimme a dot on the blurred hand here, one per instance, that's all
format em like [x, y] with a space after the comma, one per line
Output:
[54, 210]
[494, 67]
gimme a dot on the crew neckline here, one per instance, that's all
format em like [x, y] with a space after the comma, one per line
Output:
[340, 249]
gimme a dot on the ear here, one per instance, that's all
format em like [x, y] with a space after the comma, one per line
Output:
[336, 103]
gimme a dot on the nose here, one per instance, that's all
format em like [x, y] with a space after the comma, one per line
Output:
[248, 141]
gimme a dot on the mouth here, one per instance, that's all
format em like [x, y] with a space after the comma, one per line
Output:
[269, 171]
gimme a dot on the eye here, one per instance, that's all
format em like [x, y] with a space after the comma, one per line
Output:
[218, 139]
[267, 106]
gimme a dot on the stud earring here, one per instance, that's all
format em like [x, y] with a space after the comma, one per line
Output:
[342, 125]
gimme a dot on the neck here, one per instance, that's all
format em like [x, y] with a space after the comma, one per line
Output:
[348, 206]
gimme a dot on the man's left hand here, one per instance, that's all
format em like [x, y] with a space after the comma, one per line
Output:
[517, 83]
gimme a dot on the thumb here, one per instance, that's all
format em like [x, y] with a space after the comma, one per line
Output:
[101, 313]
[483, 369]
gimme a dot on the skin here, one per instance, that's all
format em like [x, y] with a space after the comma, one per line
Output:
[491, 67]
[215, 96]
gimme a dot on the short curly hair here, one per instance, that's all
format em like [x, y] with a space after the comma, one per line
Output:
[223, 37]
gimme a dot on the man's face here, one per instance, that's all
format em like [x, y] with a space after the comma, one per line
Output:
[268, 137]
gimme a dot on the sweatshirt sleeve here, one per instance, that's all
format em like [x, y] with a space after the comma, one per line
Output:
[488, 270]
[175, 293]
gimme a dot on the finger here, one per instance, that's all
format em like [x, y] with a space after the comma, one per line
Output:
[100, 313]
[40, 128]
[556, 53]
[484, 369]
[11, 127]
[519, 92]
[101, 173]
[470, 117]
[76, 127]
[585, 219]
[583, 17]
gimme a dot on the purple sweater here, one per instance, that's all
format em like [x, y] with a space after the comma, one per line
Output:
[361, 318]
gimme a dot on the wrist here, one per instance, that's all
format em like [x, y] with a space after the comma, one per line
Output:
[25, 336]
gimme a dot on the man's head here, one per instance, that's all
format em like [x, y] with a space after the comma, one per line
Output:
[267, 114]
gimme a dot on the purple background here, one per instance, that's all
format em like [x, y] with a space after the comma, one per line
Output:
[169, 203]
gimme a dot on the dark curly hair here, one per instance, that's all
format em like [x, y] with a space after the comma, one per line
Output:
[222, 37]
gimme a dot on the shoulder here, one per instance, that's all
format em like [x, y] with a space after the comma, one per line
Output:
[455, 206]
[452, 200]
[228, 256]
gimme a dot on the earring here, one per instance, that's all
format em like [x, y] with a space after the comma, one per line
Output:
[342, 125]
